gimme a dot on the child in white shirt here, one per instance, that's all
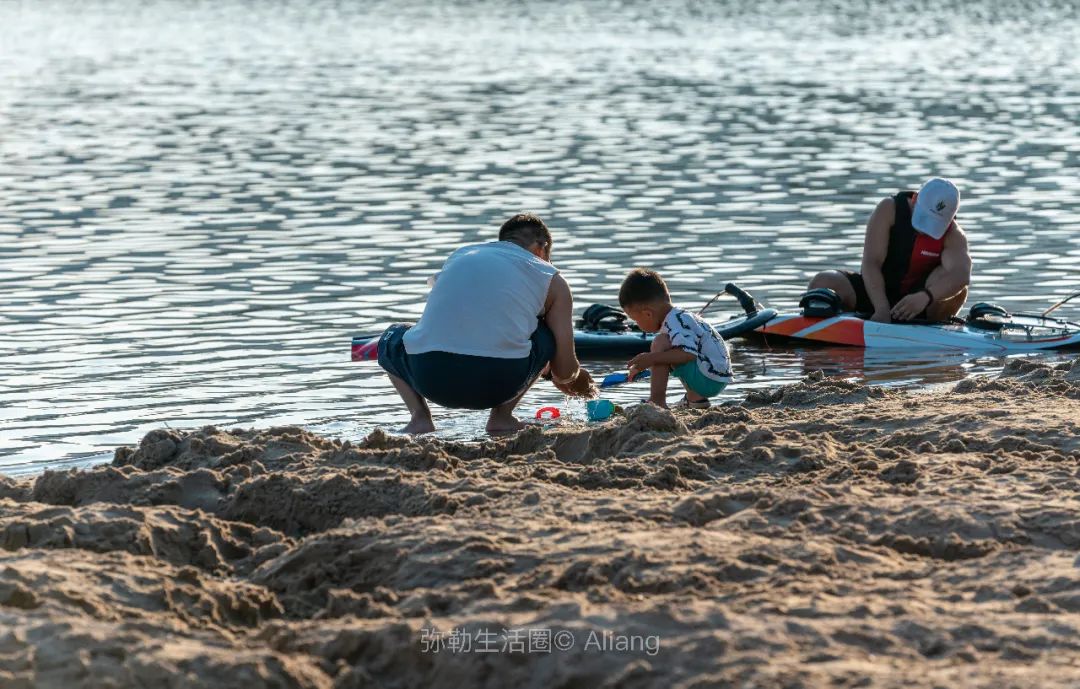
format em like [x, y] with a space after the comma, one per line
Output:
[685, 346]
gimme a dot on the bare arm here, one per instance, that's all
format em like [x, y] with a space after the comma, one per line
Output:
[875, 248]
[559, 316]
[956, 266]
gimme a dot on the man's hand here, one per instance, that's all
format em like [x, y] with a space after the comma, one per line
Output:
[581, 386]
[911, 306]
[641, 362]
[882, 317]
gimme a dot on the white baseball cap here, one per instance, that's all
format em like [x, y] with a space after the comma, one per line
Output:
[936, 206]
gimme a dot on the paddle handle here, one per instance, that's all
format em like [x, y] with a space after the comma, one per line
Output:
[1058, 305]
[745, 300]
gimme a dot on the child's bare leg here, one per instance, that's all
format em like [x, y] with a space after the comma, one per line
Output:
[659, 373]
[658, 384]
[421, 415]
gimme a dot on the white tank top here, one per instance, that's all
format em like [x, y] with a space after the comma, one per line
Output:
[485, 302]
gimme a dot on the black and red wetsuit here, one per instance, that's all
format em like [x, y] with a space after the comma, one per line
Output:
[911, 257]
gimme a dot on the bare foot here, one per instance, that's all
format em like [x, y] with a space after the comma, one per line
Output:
[419, 426]
[503, 424]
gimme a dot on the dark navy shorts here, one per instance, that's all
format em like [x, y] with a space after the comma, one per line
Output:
[862, 297]
[461, 381]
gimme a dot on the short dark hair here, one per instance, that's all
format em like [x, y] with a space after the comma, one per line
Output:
[643, 286]
[525, 229]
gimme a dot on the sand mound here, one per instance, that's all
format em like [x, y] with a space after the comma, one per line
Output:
[119, 586]
[817, 389]
[823, 534]
[265, 479]
[45, 651]
[177, 536]
[213, 448]
[1026, 374]
[13, 490]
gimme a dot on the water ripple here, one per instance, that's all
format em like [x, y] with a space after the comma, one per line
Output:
[200, 203]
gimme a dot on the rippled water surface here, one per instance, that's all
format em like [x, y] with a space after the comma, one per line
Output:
[201, 202]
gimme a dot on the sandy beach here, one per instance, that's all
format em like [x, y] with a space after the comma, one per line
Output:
[819, 534]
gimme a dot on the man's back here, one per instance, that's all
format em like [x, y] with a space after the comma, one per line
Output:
[485, 302]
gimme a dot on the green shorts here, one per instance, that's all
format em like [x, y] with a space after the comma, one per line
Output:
[695, 380]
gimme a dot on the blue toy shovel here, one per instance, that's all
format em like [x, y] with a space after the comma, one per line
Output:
[613, 379]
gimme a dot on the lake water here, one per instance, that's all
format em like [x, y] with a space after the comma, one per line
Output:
[201, 202]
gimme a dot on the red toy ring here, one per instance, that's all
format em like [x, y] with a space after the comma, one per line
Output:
[552, 412]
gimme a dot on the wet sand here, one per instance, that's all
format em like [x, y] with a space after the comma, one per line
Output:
[820, 534]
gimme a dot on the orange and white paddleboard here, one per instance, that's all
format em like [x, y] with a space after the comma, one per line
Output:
[1017, 334]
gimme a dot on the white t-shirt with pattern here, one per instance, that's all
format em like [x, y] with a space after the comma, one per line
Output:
[691, 334]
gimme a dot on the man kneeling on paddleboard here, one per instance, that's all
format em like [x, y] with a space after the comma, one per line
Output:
[915, 259]
[498, 314]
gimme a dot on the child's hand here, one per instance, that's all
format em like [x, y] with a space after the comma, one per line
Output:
[641, 362]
